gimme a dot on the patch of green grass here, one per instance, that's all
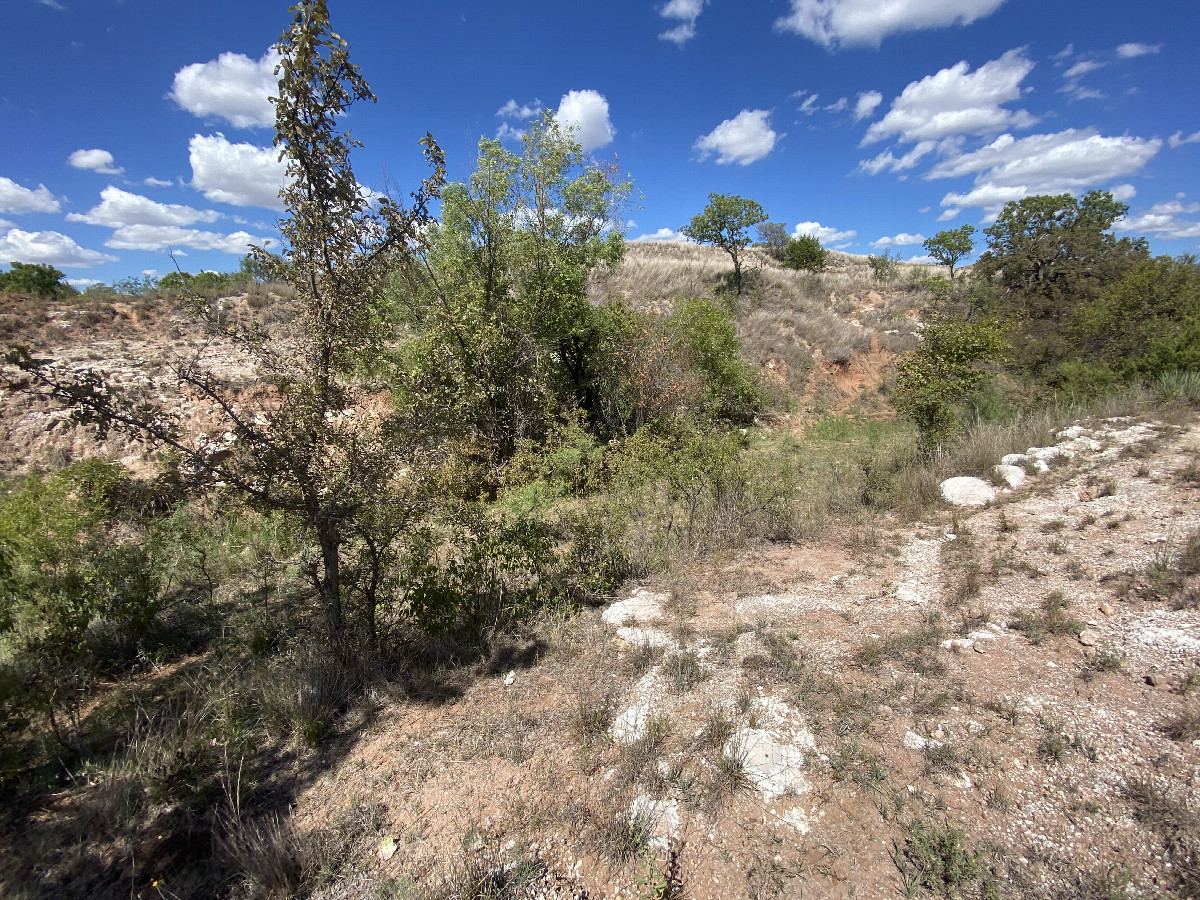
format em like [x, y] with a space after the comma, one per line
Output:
[685, 669]
[1104, 660]
[941, 757]
[1054, 744]
[938, 859]
[911, 648]
[1052, 619]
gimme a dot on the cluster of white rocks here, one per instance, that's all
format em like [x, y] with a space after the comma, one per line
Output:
[1015, 469]
[771, 746]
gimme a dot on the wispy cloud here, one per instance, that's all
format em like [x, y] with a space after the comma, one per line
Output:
[685, 12]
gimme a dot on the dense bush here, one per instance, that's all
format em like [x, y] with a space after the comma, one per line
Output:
[706, 334]
[947, 367]
[1145, 324]
[805, 253]
[505, 339]
[38, 280]
[1052, 256]
[81, 584]
[884, 267]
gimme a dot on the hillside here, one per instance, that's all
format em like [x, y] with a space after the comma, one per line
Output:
[873, 694]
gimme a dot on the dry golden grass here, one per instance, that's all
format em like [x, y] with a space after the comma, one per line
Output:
[783, 316]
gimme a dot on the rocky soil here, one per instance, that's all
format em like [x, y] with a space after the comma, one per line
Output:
[805, 720]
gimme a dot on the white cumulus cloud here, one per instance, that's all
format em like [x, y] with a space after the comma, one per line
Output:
[809, 106]
[1074, 158]
[151, 181]
[746, 138]
[161, 237]
[585, 113]
[232, 87]
[516, 112]
[685, 12]
[828, 236]
[17, 199]
[1123, 192]
[49, 248]
[239, 174]
[522, 112]
[866, 104]
[507, 132]
[1069, 161]
[834, 23]
[903, 239]
[118, 208]
[887, 162]
[1137, 48]
[957, 101]
[96, 161]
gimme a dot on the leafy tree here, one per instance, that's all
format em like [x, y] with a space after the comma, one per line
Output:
[1052, 254]
[724, 223]
[773, 238]
[805, 253]
[348, 474]
[259, 268]
[506, 339]
[1147, 323]
[943, 371]
[1046, 242]
[69, 562]
[36, 279]
[949, 246]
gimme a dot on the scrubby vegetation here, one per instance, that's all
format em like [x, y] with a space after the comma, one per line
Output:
[464, 425]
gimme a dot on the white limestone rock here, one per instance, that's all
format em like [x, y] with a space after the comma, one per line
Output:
[966, 490]
[660, 817]
[1013, 476]
[641, 607]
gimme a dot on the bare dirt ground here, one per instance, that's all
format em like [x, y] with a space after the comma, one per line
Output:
[807, 720]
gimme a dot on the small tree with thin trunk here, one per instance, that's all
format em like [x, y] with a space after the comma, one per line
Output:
[726, 223]
[773, 238]
[325, 448]
[948, 247]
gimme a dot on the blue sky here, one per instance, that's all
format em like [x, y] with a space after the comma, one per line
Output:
[130, 126]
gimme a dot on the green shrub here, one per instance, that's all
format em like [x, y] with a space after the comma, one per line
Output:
[805, 252]
[36, 279]
[708, 339]
[74, 577]
[938, 859]
[884, 267]
[944, 371]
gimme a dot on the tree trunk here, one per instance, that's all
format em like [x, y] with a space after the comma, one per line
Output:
[329, 586]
